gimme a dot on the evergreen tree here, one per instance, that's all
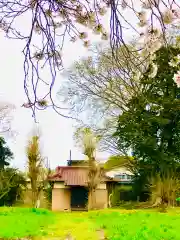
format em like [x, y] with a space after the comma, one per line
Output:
[5, 154]
[151, 126]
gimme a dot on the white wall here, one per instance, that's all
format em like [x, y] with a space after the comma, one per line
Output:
[117, 171]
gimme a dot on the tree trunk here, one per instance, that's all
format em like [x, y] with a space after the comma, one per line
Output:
[34, 198]
[34, 193]
[38, 203]
[110, 196]
[92, 199]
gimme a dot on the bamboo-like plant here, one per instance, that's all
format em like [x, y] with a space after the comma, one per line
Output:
[37, 171]
[164, 189]
[88, 141]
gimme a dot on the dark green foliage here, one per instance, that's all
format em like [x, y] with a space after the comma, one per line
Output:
[140, 187]
[11, 187]
[48, 194]
[5, 154]
[117, 161]
[151, 126]
[11, 180]
[77, 163]
[122, 193]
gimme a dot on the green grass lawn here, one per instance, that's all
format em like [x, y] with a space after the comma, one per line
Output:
[117, 224]
[21, 222]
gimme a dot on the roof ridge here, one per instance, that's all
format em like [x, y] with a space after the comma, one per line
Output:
[72, 167]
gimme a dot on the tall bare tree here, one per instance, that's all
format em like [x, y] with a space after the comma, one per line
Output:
[88, 141]
[96, 85]
[101, 87]
[37, 170]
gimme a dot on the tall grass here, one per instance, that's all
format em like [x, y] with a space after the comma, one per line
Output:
[164, 189]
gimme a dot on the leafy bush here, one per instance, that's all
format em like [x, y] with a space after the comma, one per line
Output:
[11, 187]
[48, 195]
[121, 194]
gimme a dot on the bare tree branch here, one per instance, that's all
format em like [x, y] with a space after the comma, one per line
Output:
[6, 118]
[98, 87]
[51, 23]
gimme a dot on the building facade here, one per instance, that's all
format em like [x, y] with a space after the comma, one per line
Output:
[70, 189]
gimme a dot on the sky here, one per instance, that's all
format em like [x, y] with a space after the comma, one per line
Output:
[56, 131]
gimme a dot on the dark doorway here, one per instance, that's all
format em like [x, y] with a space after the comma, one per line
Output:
[79, 198]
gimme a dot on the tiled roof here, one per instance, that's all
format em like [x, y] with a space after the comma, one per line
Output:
[72, 176]
[77, 163]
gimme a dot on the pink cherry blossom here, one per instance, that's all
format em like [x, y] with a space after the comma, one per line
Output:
[27, 105]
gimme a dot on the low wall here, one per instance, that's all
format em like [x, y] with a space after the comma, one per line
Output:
[101, 197]
[27, 199]
[61, 198]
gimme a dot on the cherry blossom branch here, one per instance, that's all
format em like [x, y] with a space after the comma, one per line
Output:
[52, 22]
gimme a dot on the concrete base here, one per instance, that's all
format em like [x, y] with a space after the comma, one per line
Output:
[61, 199]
